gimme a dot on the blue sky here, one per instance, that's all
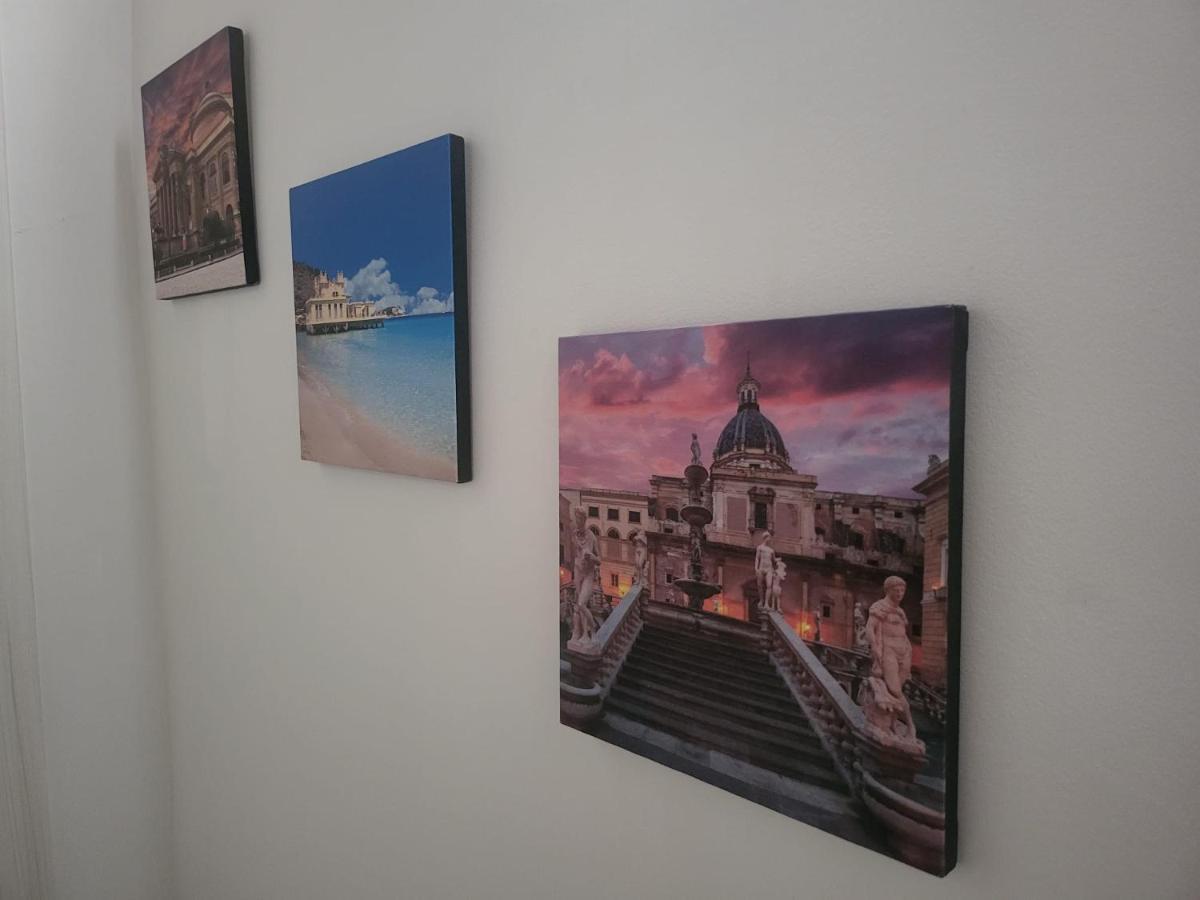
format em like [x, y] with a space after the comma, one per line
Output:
[386, 225]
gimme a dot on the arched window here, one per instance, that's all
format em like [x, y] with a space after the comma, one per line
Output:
[229, 216]
[633, 534]
[594, 530]
[224, 168]
[613, 533]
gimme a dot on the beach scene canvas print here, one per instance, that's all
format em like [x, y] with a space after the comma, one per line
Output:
[758, 562]
[379, 302]
[196, 129]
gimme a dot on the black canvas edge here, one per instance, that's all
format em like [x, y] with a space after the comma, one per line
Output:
[958, 391]
[241, 143]
[462, 348]
[241, 138]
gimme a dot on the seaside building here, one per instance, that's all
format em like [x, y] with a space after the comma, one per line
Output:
[195, 216]
[330, 309]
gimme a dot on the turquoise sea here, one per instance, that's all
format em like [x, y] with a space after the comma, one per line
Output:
[401, 376]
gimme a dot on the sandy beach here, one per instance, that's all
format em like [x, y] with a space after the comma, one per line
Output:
[333, 430]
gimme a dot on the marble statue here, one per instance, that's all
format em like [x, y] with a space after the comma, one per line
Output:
[641, 560]
[775, 589]
[587, 562]
[764, 568]
[696, 450]
[889, 718]
[860, 628]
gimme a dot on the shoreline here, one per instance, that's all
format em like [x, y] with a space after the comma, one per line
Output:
[336, 432]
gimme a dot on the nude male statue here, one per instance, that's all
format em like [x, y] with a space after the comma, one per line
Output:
[587, 558]
[775, 590]
[886, 708]
[640, 561]
[696, 450]
[764, 569]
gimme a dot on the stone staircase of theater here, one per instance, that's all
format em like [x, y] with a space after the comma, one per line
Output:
[721, 694]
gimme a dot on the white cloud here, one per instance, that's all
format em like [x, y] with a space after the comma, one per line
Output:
[374, 282]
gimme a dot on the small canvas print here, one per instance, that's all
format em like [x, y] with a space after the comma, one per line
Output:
[196, 130]
[379, 293]
[758, 562]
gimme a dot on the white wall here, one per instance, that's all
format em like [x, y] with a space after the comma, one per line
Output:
[388, 727]
[66, 76]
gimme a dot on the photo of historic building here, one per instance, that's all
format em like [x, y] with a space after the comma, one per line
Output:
[197, 171]
[759, 516]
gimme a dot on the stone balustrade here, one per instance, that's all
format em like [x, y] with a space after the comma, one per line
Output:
[879, 775]
[838, 721]
[592, 666]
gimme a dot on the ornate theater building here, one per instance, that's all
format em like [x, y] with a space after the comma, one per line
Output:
[194, 211]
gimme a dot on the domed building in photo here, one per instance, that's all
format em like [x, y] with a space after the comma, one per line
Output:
[838, 546]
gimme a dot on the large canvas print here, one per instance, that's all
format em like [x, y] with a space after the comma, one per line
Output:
[758, 562]
[380, 306]
[197, 135]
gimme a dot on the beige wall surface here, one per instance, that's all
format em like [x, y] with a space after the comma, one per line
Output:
[389, 728]
[76, 208]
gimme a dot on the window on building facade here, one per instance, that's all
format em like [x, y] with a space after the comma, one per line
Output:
[613, 533]
[614, 515]
[819, 507]
[897, 515]
[820, 532]
[229, 216]
[670, 577]
[612, 579]
[854, 510]
[945, 566]
[224, 168]
[594, 512]
[826, 611]
[635, 517]
[760, 515]
[594, 530]
[672, 514]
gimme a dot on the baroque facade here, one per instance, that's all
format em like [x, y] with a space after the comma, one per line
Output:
[838, 546]
[195, 216]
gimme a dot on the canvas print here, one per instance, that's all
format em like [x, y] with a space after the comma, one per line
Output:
[197, 135]
[379, 288]
[758, 562]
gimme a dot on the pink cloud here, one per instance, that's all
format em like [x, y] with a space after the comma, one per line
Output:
[860, 399]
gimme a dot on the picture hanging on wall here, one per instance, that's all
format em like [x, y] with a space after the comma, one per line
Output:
[758, 561]
[197, 134]
[379, 277]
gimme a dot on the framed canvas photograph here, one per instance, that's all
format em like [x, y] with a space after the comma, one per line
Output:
[759, 562]
[379, 273]
[197, 134]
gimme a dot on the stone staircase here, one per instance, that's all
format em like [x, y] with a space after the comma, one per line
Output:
[722, 694]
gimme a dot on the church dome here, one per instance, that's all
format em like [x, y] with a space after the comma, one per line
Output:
[750, 438]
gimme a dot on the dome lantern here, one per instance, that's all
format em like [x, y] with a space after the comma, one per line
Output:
[751, 440]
